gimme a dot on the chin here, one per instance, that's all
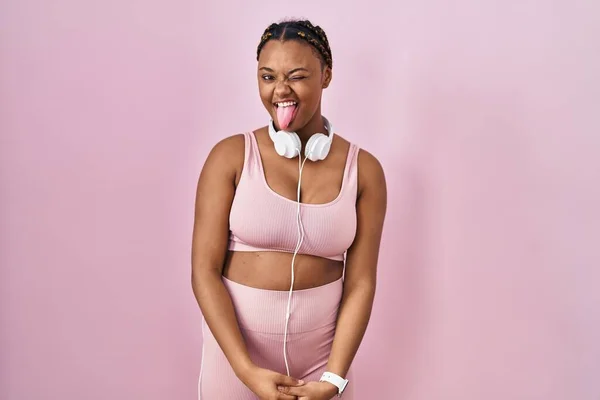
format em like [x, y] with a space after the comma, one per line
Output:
[298, 123]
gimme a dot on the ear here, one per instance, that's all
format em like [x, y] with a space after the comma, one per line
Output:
[327, 75]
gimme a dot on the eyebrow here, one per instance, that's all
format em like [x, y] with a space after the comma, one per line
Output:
[289, 72]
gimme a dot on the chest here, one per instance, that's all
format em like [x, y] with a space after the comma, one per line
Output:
[322, 181]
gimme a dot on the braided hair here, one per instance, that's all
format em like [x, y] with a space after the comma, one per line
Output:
[299, 30]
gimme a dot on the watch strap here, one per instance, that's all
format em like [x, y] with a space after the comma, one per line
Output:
[335, 380]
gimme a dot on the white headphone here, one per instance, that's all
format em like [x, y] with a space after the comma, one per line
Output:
[287, 144]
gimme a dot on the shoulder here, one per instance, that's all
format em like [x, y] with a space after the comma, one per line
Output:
[371, 175]
[226, 155]
[228, 151]
[368, 163]
[228, 147]
[370, 170]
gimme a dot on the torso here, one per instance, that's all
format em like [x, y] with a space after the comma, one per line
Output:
[272, 270]
[321, 183]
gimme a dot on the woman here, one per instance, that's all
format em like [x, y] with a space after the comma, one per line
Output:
[254, 239]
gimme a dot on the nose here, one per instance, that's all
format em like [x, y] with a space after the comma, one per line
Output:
[282, 89]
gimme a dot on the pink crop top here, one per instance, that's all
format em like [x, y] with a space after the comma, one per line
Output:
[263, 220]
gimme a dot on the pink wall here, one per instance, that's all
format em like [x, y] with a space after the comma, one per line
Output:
[484, 114]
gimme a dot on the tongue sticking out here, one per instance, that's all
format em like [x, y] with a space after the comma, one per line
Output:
[284, 116]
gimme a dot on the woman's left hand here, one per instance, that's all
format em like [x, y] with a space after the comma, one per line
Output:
[311, 391]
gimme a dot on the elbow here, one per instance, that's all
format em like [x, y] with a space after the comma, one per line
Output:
[363, 282]
[363, 288]
[202, 276]
[205, 286]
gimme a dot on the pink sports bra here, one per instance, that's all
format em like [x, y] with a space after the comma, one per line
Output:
[263, 220]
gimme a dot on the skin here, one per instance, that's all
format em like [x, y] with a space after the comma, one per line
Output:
[292, 70]
[286, 70]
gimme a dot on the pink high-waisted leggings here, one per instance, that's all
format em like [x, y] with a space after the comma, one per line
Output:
[261, 318]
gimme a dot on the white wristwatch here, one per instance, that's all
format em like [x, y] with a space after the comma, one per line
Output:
[335, 380]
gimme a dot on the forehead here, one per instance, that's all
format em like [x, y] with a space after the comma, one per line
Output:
[289, 53]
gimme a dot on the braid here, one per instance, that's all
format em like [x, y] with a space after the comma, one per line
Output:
[322, 38]
[323, 51]
[317, 30]
[267, 34]
[304, 30]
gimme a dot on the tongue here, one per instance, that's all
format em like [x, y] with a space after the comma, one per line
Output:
[284, 116]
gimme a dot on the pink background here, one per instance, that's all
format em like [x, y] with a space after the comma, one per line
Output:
[484, 114]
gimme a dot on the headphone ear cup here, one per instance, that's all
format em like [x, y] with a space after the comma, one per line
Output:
[287, 144]
[317, 147]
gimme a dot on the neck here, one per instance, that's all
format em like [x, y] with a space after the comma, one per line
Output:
[315, 125]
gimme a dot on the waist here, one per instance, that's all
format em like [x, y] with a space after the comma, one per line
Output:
[272, 270]
[263, 310]
[236, 245]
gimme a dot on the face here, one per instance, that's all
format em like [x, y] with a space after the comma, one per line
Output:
[290, 74]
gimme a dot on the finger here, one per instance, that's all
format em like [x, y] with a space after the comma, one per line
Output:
[284, 380]
[283, 396]
[293, 390]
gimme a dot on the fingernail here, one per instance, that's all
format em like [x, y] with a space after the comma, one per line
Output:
[300, 382]
[280, 388]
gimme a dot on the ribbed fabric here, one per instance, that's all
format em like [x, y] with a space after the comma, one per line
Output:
[262, 310]
[261, 317]
[262, 219]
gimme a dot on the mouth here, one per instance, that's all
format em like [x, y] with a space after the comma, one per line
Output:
[286, 112]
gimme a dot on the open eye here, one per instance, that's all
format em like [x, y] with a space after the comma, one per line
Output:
[267, 77]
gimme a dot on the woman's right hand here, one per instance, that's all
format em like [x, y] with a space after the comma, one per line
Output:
[264, 382]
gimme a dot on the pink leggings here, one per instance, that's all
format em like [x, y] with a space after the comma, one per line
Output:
[261, 318]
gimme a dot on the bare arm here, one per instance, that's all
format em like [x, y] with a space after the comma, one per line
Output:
[214, 196]
[361, 266]
[215, 191]
[360, 278]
